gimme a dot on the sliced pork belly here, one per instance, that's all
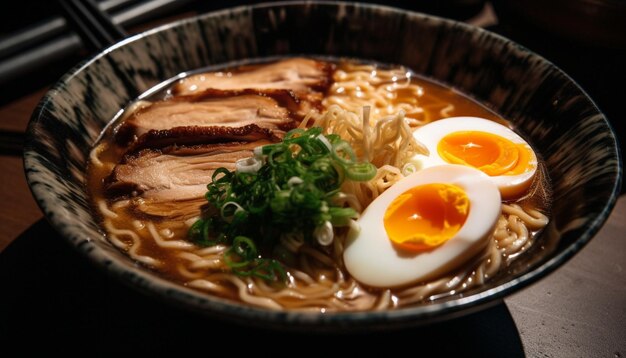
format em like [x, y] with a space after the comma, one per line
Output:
[214, 109]
[171, 182]
[201, 135]
[300, 75]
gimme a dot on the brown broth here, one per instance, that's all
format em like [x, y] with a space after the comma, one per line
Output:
[111, 154]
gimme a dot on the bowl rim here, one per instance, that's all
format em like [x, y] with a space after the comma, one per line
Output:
[156, 286]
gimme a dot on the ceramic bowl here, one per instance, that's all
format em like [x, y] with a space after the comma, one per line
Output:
[543, 103]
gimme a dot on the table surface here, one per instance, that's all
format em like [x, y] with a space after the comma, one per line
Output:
[45, 288]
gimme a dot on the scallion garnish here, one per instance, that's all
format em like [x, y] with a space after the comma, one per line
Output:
[291, 192]
[243, 259]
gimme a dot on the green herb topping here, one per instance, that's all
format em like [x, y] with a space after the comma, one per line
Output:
[287, 188]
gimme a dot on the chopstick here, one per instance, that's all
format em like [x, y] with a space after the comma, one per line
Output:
[34, 49]
[34, 35]
[94, 26]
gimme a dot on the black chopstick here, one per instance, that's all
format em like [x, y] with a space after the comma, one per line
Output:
[36, 34]
[94, 27]
[17, 59]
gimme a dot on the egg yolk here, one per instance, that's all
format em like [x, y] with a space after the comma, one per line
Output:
[426, 216]
[492, 154]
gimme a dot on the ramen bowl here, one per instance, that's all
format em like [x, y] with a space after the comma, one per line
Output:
[546, 106]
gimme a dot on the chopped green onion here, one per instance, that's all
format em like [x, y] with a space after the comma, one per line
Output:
[248, 165]
[324, 233]
[243, 260]
[201, 233]
[241, 253]
[361, 171]
[408, 169]
[291, 192]
[227, 212]
[343, 153]
[325, 141]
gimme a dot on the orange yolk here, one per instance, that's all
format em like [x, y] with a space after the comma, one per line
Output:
[426, 216]
[492, 154]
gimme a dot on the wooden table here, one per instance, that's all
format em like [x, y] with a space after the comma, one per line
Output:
[578, 311]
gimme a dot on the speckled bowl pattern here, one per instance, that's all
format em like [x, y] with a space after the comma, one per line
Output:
[546, 106]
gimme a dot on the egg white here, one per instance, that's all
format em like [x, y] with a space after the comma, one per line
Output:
[372, 259]
[431, 134]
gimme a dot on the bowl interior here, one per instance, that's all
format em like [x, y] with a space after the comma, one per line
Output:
[545, 105]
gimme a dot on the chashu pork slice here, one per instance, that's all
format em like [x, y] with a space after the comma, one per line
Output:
[210, 109]
[301, 75]
[193, 135]
[170, 183]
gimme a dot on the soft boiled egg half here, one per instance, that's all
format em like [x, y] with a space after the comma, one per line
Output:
[482, 144]
[427, 224]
